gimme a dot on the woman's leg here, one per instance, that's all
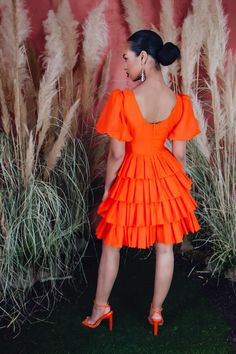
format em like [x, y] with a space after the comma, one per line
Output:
[107, 272]
[163, 274]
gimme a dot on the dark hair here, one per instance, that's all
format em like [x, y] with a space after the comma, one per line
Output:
[151, 42]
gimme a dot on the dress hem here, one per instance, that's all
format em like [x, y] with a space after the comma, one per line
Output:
[126, 244]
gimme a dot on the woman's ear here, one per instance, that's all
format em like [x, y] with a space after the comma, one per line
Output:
[144, 55]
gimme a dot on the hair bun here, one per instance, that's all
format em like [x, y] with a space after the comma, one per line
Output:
[168, 54]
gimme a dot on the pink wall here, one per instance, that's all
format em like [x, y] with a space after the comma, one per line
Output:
[117, 26]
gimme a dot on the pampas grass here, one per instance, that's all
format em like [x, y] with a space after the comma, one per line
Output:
[6, 120]
[190, 48]
[69, 33]
[214, 175]
[207, 74]
[71, 38]
[211, 155]
[216, 41]
[95, 42]
[14, 29]
[55, 153]
[47, 91]
[133, 15]
[29, 161]
[44, 171]
[170, 33]
[54, 46]
[201, 140]
[55, 65]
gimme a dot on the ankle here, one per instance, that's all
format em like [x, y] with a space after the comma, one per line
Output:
[101, 306]
[156, 306]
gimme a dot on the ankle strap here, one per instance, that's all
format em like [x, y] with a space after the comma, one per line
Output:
[100, 305]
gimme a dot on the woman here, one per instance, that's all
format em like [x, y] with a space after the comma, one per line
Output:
[147, 198]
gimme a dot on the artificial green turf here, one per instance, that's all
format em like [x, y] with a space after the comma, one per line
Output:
[192, 324]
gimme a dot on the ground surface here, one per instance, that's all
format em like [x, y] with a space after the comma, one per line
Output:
[194, 323]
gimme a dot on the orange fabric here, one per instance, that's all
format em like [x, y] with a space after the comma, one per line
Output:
[150, 199]
[112, 120]
[187, 126]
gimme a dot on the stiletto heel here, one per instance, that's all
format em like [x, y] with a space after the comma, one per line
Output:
[108, 315]
[110, 322]
[156, 322]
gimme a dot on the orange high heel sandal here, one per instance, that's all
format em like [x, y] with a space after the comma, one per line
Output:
[108, 315]
[156, 322]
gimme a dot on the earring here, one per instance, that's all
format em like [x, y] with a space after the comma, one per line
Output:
[143, 77]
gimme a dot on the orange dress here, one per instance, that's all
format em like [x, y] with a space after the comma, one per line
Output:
[149, 200]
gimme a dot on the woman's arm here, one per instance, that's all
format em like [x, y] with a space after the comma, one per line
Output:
[114, 161]
[179, 151]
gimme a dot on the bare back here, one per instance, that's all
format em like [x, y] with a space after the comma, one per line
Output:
[155, 104]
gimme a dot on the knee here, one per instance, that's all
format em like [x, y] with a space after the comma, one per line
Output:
[110, 249]
[162, 248]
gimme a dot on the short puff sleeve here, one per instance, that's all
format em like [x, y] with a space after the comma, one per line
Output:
[112, 120]
[187, 126]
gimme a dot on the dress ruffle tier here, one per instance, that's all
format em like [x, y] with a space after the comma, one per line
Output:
[150, 200]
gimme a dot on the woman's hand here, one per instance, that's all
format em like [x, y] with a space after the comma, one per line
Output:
[105, 194]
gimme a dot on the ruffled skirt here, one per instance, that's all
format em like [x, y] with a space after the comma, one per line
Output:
[149, 201]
